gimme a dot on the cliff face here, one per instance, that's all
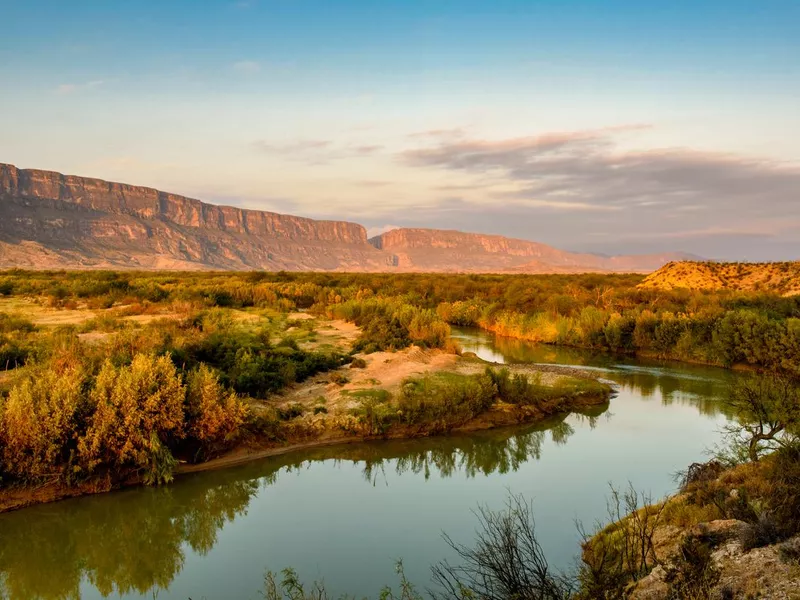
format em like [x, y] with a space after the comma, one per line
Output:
[147, 203]
[54, 220]
[50, 220]
[438, 250]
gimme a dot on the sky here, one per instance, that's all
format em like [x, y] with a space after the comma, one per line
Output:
[604, 126]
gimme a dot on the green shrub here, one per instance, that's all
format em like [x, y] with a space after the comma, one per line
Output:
[290, 412]
[445, 400]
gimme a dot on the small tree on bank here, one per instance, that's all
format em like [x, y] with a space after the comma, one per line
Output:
[767, 415]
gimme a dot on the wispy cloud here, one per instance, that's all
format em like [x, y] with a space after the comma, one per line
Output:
[71, 88]
[587, 169]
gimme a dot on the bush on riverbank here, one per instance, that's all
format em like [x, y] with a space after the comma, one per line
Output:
[441, 401]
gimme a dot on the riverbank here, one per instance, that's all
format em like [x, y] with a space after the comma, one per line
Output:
[727, 533]
[366, 401]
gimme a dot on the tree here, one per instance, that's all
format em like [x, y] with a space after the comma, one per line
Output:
[767, 414]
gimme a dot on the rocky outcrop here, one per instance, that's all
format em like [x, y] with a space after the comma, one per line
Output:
[50, 220]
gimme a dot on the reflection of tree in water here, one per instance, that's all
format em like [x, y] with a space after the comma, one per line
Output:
[121, 543]
[133, 541]
[482, 453]
[690, 385]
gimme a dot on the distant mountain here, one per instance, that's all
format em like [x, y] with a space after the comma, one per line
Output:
[49, 220]
[446, 250]
[782, 277]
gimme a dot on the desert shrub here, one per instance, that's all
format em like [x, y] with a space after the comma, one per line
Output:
[264, 424]
[618, 333]
[251, 366]
[14, 352]
[290, 412]
[693, 574]
[444, 400]
[213, 415]
[139, 414]
[527, 389]
[623, 551]
[40, 421]
[13, 323]
[506, 561]
[320, 410]
[762, 532]
[358, 363]
[339, 378]
[382, 333]
[783, 501]
[789, 551]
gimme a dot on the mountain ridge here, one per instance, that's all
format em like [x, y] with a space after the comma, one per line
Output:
[51, 220]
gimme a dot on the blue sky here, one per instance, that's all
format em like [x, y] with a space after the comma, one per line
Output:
[603, 126]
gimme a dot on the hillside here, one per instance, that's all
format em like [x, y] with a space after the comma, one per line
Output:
[54, 221]
[782, 278]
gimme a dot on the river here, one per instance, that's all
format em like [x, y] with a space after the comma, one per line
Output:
[345, 514]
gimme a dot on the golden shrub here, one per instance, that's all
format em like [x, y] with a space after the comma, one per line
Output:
[39, 422]
[138, 414]
[213, 414]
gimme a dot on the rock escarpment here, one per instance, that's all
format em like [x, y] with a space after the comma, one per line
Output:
[442, 250]
[53, 220]
[50, 220]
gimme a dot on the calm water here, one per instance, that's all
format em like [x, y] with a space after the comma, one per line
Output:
[346, 514]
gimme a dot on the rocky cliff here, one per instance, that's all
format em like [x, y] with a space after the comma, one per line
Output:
[54, 220]
[50, 220]
[441, 250]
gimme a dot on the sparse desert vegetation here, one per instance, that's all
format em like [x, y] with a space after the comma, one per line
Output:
[782, 278]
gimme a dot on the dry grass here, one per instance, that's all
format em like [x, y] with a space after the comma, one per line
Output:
[782, 278]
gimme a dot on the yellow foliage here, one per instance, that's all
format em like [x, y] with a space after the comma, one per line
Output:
[39, 421]
[138, 409]
[213, 414]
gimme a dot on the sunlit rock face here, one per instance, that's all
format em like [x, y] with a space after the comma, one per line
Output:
[50, 220]
[55, 220]
[442, 250]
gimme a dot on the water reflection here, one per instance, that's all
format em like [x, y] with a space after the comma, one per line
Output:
[124, 542]
[135, 540]
[138, 541]
[693, 385]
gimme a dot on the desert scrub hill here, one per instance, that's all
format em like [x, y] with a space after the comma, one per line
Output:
[779, 277]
